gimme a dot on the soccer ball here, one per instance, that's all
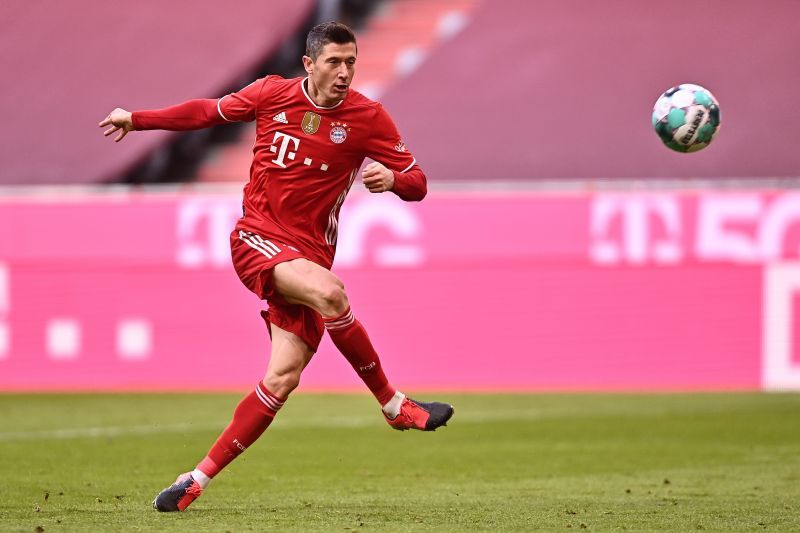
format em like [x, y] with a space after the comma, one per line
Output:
[686, 117]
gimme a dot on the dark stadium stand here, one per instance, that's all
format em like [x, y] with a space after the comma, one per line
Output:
[528, 89]
[67, 64]
[564, 88]
[391, 45]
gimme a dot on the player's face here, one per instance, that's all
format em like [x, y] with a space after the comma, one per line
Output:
[331, 74]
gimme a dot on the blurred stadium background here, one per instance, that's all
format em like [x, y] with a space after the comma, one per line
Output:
[562, 247]
[556, 221]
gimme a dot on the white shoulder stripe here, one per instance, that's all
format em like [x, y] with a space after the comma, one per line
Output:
[219, 110]
[414, 162]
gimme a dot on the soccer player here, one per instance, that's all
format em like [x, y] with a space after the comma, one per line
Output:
[312, 135]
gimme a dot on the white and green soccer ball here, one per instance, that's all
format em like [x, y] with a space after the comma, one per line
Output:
[686, 117]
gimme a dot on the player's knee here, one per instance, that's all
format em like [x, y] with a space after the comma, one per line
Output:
[333, 299]
[281, 384]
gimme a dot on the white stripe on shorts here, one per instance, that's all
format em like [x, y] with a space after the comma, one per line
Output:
[257, 242]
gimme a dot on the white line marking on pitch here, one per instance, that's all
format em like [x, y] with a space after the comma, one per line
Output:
[288, 422]
[101, 432]
[293, 422]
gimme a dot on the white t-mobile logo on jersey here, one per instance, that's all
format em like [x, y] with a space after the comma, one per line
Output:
[282, 151]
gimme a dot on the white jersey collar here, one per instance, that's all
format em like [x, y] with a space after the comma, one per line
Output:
[305, 92]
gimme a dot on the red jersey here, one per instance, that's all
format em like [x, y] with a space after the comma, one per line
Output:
[305, 158]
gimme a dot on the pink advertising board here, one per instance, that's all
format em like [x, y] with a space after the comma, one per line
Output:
[495, 291]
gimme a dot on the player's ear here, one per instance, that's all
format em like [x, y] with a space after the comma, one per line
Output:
[308, 64]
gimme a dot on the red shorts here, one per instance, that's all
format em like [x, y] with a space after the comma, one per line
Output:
[254, 256]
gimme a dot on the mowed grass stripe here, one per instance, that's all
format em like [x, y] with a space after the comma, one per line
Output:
[523, 412]
[506, 462]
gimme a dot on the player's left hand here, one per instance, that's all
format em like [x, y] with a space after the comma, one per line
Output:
[119, 119]
[377, 178]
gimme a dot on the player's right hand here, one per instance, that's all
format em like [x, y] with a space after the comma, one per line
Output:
[377, 178]
[119, 119]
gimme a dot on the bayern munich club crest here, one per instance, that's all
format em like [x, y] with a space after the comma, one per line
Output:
[339, 132]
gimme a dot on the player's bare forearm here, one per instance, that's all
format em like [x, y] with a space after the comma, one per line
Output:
[190, 115]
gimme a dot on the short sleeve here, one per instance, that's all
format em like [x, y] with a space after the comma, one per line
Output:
[385, 144]
[241, 105]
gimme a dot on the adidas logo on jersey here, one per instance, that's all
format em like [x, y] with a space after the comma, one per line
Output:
[280, 117]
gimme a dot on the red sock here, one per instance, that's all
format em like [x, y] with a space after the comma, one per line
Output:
[252, 416]
[352, 340]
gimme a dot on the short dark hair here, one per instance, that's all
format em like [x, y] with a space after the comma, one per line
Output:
[327, 32]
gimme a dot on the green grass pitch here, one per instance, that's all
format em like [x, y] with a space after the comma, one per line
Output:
[329, 463]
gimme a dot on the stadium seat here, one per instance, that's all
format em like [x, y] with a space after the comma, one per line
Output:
[541, 89]
[64, 71]
[391, 45]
